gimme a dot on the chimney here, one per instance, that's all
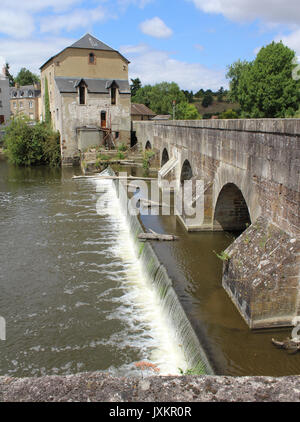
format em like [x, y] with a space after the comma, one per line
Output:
[4, 70]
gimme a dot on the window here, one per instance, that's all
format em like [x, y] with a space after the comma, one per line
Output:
[92, 59]
[30, 104]
[21, 104]
[113, 94]
[0, 89]
[30, 94]
[0, 103]
[15, 104]
[103, 119]
[82, 94]
[22, 93]
[31, 116]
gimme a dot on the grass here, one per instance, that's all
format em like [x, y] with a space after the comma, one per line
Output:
[223, 256]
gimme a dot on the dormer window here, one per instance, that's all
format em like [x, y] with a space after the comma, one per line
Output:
[92, 59]
[30, 94]
[82, 86]
[113, 94]
[22, 94]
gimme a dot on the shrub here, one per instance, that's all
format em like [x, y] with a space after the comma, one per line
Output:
[120, 155]
[27, 145]
[122, 147]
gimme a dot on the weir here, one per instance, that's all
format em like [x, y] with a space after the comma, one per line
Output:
[158, 278]
[251, 177]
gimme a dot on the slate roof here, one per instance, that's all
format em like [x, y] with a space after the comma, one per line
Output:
[141, 109]
[88, 42]
[97, 86]
[26, 91]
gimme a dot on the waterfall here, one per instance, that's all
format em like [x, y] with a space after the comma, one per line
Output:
[156, 274]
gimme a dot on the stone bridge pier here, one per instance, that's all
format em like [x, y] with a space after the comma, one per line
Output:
[248, 174]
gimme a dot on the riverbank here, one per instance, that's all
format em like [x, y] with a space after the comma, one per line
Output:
[101, 387]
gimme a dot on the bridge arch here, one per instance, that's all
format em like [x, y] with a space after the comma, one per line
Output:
[231, 210]
[148, 145]
[165, 157]
[186, 172]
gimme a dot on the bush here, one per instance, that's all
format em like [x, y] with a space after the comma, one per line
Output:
[27, 145]
[122, 147]
[120, 155]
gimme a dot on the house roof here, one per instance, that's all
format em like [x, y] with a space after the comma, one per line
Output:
[141, 109]
[162, 117]
[25, 91]
[97, 86]
[88, 42]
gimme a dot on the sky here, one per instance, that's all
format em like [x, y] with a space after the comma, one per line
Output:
[190, 42]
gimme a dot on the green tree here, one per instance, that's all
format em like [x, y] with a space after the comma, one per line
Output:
[25, 77]
[220, 94]
[135, 86]
[208, 99]
[265, 87]
[200, 93]
[234, 73]
[189, 96]
[186, 111]
[160, 97]
[9, 75]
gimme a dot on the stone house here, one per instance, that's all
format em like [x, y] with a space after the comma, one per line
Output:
[89, 96]
[4, 98]
[25, 100]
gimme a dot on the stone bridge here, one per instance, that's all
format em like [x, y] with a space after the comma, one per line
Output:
[250, 173]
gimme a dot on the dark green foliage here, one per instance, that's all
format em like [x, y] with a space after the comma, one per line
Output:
[25, 77]
[208, 99]
[47, 104]
[26, 144]
[265, 87]
[9, 75]
[135, 86]
[189, 96]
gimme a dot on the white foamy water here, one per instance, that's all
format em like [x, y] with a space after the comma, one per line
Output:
[139, 306]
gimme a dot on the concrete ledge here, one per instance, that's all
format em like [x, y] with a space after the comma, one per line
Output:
[101, 387]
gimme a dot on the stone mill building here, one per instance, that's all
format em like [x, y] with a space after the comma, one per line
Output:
[89, 96]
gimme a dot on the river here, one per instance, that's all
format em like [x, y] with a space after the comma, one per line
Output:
[75, 297]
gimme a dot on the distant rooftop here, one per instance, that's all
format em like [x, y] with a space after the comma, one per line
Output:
[88, 42]
[162, 117]
[141, 109]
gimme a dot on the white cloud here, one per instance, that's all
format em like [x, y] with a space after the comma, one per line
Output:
[156, 28]
[154, 66]
[31, 53]
[16, 23]
[77, 18]
[292, 40]
[270, 11]
[39, 5]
